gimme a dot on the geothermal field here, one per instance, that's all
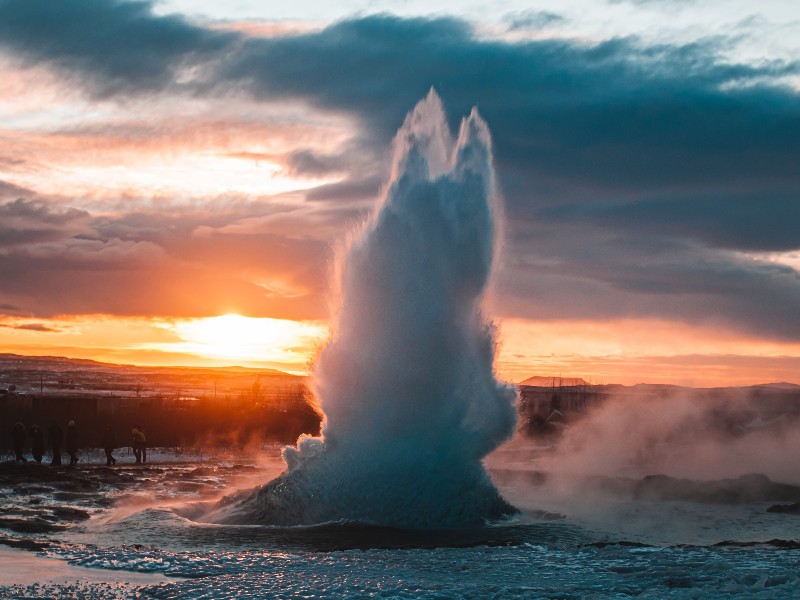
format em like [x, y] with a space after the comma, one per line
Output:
[418, 485]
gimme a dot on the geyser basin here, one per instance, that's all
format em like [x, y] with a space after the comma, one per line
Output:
[406, 381]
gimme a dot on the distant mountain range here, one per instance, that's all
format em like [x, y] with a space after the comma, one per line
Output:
[540, 381]
[62, 363]
[11, 364]
[555, 382]
[782, 385]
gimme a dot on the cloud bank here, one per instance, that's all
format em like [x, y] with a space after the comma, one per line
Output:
[641, 180]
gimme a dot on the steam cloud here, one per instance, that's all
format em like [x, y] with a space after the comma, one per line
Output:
[682, 435]
[406, 381]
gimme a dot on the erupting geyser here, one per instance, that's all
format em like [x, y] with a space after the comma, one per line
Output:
[406, 381]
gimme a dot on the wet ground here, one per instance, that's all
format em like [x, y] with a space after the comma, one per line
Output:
[42, 509]
[99, 532]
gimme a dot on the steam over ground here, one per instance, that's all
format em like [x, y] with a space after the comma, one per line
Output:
[406, 381]
[686, 433]
[632, 462]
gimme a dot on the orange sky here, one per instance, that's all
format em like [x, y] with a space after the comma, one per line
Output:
[135, 214]
[628, 352]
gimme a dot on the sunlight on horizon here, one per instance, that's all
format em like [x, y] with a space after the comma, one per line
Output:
[237, 338]
[624, 351]
[222, 341]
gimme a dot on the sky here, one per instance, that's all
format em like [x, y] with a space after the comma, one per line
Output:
[175, 176]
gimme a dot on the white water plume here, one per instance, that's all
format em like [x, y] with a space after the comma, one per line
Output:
[406, 381]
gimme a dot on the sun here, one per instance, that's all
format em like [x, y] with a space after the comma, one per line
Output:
[245, 340]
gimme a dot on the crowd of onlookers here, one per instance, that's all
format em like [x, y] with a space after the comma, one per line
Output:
[57, 439]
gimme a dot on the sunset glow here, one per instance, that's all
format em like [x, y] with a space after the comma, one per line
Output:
[635, 351]
[245, 340]
[400, 298]
[226, 340]
[152, 192]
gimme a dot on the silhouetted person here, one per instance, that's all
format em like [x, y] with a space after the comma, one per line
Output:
[55, 436]
[109, 445]
[18, 440]
[139, 444]
[72, 443]
[37, 443]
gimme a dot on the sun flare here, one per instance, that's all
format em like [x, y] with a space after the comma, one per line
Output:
[240, 339]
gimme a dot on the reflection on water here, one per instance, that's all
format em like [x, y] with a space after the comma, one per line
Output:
[167, 529]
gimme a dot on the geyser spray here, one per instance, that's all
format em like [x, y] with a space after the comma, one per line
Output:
[406, 381]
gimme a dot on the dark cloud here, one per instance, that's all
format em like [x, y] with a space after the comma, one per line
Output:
[113, 45]
[750, 222]
[532, 19]
[617, 115]
[9, 190]
[156, 263]
[353, 190]
[657, 157]
[634, 175]
[374, 82]
[308, 162]
[40, 211]
[575, 271]
[33, 327]
[24, 221]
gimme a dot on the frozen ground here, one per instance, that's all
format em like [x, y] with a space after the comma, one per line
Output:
[95, 532]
